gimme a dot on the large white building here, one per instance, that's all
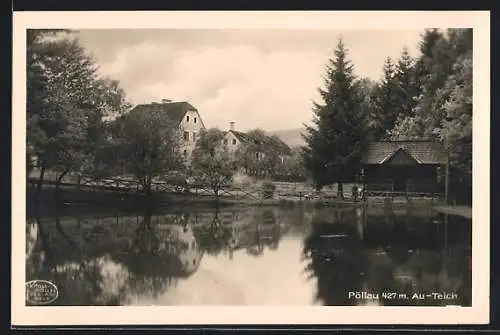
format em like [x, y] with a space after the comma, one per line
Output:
[185, 115]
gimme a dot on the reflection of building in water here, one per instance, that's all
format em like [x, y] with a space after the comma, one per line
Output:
[98, 267]
[183, 240]
[254, 237]
[229, 231]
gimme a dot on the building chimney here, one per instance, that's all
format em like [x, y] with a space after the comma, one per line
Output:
[166, 101]
[231, 125]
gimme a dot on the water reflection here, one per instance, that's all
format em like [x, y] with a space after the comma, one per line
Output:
[252, 256]
[389, 260]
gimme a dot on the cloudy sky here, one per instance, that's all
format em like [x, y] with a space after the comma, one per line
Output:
[257, 78]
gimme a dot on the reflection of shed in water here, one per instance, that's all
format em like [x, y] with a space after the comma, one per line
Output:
[420, 271]
[436, 271]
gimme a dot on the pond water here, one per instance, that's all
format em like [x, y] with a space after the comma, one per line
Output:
[253, 256]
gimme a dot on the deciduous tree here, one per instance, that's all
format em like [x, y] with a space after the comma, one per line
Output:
[212, 163]
[147, 146]
[260, 155]
[67, 100]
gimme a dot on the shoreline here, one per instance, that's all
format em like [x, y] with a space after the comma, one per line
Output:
[461, 210]
[79, 198]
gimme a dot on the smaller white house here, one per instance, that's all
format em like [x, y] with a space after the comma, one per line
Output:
[233, 139]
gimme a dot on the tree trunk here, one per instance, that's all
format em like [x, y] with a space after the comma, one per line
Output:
[340, 190]
[60, 228]
[39, 184]
[43, 237]
[216, 192]
[217, 208]
[149, 194]
[57, 190]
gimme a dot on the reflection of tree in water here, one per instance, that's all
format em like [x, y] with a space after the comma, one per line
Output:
[399, 253]
[214, 237]
[110, 274]
[408, 256]
[78, 276]
[335, 259]
[159, 256]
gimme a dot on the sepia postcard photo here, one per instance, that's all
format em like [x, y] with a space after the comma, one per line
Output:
[250, 168]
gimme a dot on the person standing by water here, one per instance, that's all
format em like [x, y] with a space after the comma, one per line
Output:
[355, 193]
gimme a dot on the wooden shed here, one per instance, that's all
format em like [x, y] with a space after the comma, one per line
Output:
[408, 167]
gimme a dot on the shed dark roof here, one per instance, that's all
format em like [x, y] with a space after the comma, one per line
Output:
[175, 110]
[424, 152]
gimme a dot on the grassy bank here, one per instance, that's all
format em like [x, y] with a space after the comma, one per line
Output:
[71, 196]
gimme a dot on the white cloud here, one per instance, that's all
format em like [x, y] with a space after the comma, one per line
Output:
[264, 79]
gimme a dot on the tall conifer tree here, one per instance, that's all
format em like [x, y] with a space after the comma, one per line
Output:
[408, 89]
[386, 102]
[335, 144]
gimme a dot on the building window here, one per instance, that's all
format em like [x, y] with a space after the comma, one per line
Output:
[234, 141]
[194, 120]
[225, 141]
[185, 152]
[187, 118]
[194, 137]
[186, 136]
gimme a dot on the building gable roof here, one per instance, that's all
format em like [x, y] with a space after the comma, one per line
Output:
[424, 152]
[400, 155]
[245, 138]
[174, 110]
[242, 137]
[283, 147]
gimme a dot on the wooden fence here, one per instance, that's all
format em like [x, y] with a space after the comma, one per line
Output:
[284, 190]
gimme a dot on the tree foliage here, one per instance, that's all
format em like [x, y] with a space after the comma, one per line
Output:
[67, 100]
[292, 167]
[212, 163]
[260, 155]
[444, 108]
[146, 146]
[440, 53]
[455, 130]
[395, 96]
[386, 101]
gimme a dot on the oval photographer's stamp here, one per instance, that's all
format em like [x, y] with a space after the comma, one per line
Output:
[41, 292]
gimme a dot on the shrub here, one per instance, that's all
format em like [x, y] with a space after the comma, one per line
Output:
[268, 189]
[242, 180]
